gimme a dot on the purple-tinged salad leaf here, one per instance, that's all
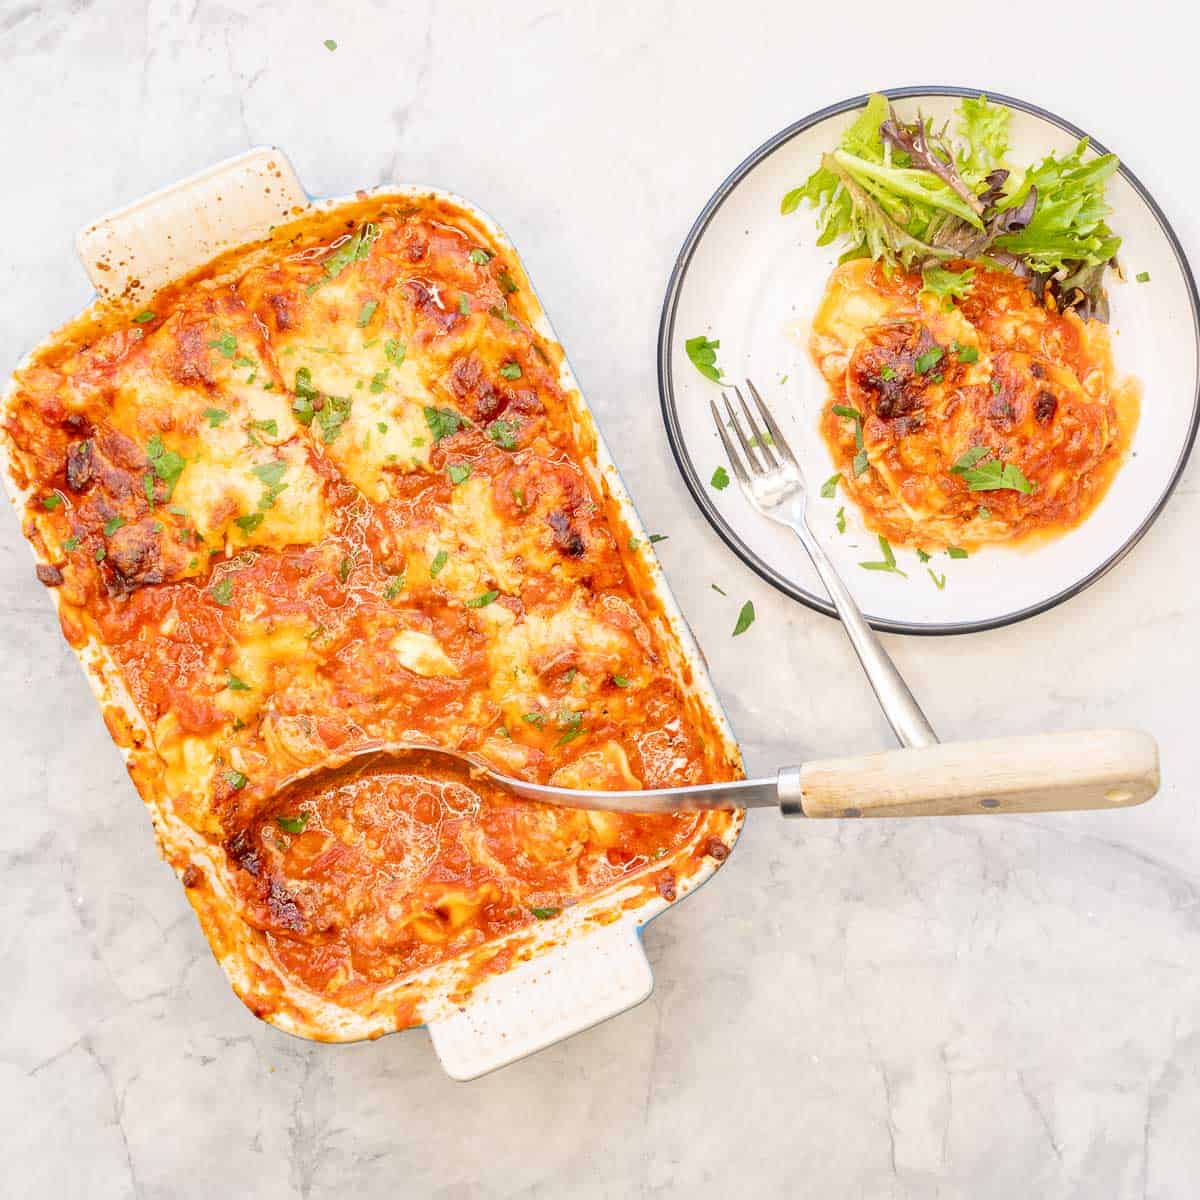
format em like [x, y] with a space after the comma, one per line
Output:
[904, 194]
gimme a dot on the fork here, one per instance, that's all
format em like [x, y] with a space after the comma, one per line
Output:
[775, 486]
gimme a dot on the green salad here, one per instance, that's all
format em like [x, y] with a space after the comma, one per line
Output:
[919, 198]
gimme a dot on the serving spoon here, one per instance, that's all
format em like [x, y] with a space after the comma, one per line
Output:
[1047, 772]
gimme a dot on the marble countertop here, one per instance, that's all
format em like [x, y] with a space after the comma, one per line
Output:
[984, 1008]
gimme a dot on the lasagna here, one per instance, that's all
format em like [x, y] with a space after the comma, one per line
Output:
[337, 489]
[993, 418]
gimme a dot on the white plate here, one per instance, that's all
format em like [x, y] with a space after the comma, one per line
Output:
[753, 279]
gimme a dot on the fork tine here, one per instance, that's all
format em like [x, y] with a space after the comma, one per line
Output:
[734, 461]
[758, 439]
[751, 461]
[776, 436]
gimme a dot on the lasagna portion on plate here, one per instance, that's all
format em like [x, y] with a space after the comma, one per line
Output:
[333, 489]
[988, 419]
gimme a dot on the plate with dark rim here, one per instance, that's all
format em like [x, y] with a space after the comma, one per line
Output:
[751, 279]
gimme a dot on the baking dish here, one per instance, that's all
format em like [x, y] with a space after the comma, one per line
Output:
[572, 971]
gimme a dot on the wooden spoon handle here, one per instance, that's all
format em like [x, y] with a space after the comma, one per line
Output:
[1048, 772]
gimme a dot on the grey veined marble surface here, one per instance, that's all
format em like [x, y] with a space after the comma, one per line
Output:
[981, 1008]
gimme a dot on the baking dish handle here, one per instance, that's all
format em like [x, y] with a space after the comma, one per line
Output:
[133, 252]
[584, 980]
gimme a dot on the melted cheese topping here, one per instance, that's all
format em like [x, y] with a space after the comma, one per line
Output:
[330, 494]
[993, 382]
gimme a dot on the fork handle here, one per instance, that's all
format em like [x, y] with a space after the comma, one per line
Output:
[903, 713]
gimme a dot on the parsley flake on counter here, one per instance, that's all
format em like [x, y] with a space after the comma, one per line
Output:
[658, 537]
[956, 552]
[719, 590]
[829, 487]
[939, 580]
[922, 556]
[330, 45]
[1143, 277]
[840, 519]
[703, 355]
[745, 618]
[888, 563]
[720, 479]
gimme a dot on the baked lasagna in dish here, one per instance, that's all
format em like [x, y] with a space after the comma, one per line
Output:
[336, 489]
[989, 420]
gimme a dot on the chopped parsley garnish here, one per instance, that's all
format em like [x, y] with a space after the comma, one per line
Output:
[504, 434]
[544, 914]
[234, 684]
[225, 345]
[1142, 277]
[146, 315]
[394, 587]
[511, 370]
[718, 589]
[939, 580]
[222, 591]
[484, 600]
[501, 313]
[930, 359]
[464, 304]
[442, 422]
[270, 427]
[332, 416]
[270, 473]
[330, 45]
[51, 502]
[886, 373]
[720, 479]
[366, 313]
[703, 354]
[351, 250]
[379, 381]
[215, 417]
[168, 466]
[72, 543]
[990, 476]
[297, 823]
[112, 525]
[658, 537]
[921, 555]
[235, 779]
[995, 387]
[382, 427]
[956, 552]
[480, 257]
[888, 562]
[439, 561]
[250, 522]
[840, 519]
[964, 354]
[506, 281]
[534, 718]
[984, 513]
[345, 567]
[620, 681]
[395, 351]
[861, 463]
[745, 618]
[100, 553]
[459, 472]
[572, 724]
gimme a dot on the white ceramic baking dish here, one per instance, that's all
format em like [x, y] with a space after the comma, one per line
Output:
[577, 969]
